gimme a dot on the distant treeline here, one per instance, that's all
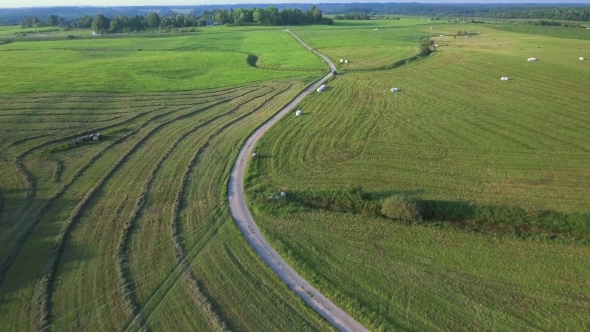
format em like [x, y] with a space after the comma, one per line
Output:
[566, 12]
[553, 23]
[353, 16]
[122, 23]
[267, 16]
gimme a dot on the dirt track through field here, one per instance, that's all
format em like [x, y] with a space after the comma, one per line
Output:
[331, 312]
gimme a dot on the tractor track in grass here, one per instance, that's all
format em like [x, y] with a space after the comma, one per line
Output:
[239, 210]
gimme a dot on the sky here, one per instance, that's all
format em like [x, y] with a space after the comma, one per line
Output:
[53, 3]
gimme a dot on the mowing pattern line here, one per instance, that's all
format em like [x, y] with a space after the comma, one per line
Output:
[45, 289]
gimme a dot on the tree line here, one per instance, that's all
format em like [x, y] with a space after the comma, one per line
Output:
[52, 21]
[269, 16]
[569, 12]
[353, 16]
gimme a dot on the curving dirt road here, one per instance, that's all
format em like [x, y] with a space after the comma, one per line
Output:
[331, 312]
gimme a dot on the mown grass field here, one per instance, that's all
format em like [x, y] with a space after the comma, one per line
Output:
[133, 232]
[454, 134]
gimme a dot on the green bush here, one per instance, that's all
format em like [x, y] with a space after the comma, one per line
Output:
[401, 208]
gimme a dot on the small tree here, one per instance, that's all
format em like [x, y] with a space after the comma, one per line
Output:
[153, 20]
[401, 208]
[27, 23]
[53, 20]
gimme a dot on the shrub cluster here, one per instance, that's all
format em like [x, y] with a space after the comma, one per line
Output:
[487, 219]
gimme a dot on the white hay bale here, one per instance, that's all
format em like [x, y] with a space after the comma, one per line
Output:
[394, 89]
[283, 194]
[254, 155]
[345, 61]
[298, 113]
[319, 90]
[581, 58]
[431, 27]
[435, 45]
[442, 35]
[341, 60]
[375, 29]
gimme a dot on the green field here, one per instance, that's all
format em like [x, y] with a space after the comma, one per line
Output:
[134, 233]
[177, 63]
[454, 136]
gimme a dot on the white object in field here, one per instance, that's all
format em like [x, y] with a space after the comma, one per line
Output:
[283, 194]
[504, 78]
[431, 27]
[298, 113]
[254, 155]
[532, 59]
[94, 33]
[345, 61]
[393, 89]
[442, 35]
[435, 45]
[581, 58]
[375, 28]
[341, 60]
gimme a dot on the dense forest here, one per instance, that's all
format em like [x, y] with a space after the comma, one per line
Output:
[269, 16]
[568, 12]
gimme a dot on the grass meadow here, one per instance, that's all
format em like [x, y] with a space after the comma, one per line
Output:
[454, 135]
[176, 63]
[133, 232]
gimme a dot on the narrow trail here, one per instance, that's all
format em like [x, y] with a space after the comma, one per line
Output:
[237, 204]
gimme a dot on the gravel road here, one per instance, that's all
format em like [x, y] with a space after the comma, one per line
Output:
[331, 312]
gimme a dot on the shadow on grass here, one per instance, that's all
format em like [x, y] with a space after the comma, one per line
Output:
[252, 60]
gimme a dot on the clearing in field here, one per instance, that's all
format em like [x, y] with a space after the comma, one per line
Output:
[498, 170]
